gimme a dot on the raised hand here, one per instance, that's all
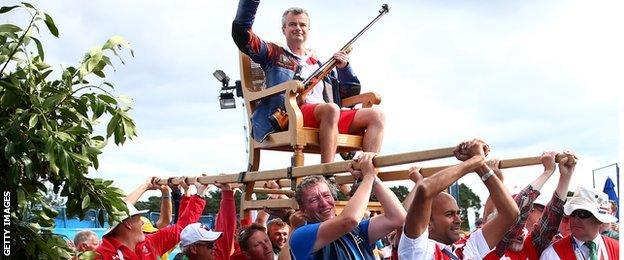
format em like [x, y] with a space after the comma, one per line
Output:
[342, 59]
[296, 219]
[223, 186]
[468, 149]
[366, 164]
[494, 165]
[567, 164]
[415, 175]
[548, 161]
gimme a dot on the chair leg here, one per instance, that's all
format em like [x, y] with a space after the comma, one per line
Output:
[253, 165]
[297, 158]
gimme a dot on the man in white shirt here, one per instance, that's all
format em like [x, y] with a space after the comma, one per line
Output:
[587, 211]
[431, 232]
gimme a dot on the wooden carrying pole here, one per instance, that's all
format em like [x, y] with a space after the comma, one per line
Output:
[341, 167]
[322, 169]
[428, 171]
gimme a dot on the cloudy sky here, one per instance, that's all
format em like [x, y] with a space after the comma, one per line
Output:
[526, 76]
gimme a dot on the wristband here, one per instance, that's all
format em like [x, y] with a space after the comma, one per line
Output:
[165, 197]
[486, 176]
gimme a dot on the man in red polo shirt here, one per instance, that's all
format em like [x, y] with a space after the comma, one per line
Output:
[125, 239]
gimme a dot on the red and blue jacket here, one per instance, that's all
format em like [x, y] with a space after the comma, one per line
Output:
[279, 66]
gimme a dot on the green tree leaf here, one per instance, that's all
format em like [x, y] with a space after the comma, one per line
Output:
[85, 202]
[5, 9]
[51, 26]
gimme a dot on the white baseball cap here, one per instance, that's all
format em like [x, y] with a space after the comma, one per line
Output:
[197, 232]
[132, 211]
[591, 200]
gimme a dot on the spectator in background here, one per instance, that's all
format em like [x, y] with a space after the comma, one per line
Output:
[255, 243]
[611, 229]
[86, 240]
[278, 232]
[197, 241]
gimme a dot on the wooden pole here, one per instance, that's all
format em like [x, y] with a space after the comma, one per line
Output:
[341, 167]
[322, 169]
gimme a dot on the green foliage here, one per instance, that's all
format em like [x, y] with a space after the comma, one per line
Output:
[400, 191]
[467, 199]
[47, 133]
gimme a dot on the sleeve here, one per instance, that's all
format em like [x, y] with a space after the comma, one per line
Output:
[165, 239]
[415, 248]
[302, 241]
[246, 40]
[548, 225]
[192, 212]
[476, 247]
[348, 82]
[524, 200]
[226, 223]
[363, 231]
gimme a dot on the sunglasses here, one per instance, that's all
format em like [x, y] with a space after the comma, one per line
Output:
[208, 244]
[582, 214]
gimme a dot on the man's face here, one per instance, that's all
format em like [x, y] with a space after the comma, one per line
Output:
[296, 28]
[445, 219]
[202, 250]
[318, 203]
[260, 246]
[89, 245]
[518, 242]
[278, 236]
[583, 225]
[135, 226]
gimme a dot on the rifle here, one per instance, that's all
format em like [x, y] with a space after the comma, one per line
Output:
[327, 67]
[279, 118]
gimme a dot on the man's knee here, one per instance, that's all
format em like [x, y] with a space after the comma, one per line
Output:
[375, 117]
[328, 112]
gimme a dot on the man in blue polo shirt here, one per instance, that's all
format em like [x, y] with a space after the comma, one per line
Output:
[346, 236]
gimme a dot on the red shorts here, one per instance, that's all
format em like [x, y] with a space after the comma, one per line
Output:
[309, 120]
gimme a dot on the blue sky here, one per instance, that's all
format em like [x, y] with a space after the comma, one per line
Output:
[526, 76]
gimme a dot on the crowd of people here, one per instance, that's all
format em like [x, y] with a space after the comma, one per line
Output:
[425, 225]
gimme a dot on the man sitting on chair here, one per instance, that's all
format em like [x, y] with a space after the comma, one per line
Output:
[321, 107]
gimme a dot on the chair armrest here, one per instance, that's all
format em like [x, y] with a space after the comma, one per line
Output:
[291, 84]
[367, 100]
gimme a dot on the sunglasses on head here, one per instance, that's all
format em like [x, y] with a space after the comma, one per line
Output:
[582, 214]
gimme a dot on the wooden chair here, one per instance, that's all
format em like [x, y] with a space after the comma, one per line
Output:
[297, 139]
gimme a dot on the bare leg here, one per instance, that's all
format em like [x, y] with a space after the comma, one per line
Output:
[371, 120]
[328, 115]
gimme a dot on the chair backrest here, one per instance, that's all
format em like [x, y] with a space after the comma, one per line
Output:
[252, 80]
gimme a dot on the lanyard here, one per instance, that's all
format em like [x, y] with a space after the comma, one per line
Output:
[578, 252]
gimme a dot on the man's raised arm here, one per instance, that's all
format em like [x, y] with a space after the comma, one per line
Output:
[353, 212]
[419, 212]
